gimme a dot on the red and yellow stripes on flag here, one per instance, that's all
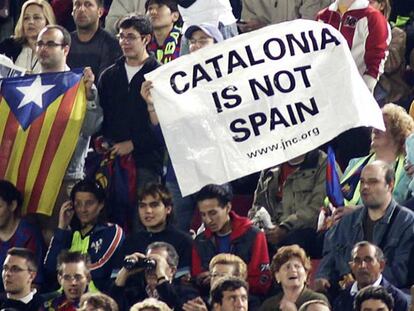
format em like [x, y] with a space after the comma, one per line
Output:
[36, 160]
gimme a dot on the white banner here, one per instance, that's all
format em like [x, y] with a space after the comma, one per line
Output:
[258, 100]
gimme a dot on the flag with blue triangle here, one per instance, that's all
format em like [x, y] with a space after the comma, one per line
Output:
[40, 121]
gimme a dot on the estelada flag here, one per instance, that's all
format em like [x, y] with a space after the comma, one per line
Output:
[40, 121]
[333, 186]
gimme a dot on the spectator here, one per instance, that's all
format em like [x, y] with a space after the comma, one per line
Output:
[97, 301]
[290, 267]
[292, 193]
[155, 212]
[81, 229]
[18, 273]
[73, 277]
[388, 146]
[229, 294]
[218, 14]
[374, 298]
[315, 305]
[221, 265]
[199, 36]
[91, 45]
[259, 13]
[227, 232]
[53, 44]
[392, 87]
[150, 304]
[16, 231]
[120, 9]
[367, 263]
[165, 20]
[9, 14]
[21, 47]
[127, 125]
[368, 44]
[159, 265]
[380, 221]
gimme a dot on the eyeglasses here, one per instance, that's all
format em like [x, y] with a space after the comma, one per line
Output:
[70, 278]
[48, 44]
[128, 38]
[14, 269]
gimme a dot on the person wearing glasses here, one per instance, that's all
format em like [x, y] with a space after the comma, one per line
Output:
[126, 123]
[73, 277]
[18, 272]
[82, 229]
[53, 45]
[367, 263]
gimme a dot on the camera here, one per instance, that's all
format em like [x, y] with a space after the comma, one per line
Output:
[146, 263]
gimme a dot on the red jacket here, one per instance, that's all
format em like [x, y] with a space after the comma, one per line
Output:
[366, 31]
[247, 242]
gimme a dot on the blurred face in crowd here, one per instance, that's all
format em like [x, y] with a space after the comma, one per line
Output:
[6, 213]
[161, 15]
[317, 306]
[133, 44]
[377, 5]
[233, 300]
[365, 266]
[375, 192]
[380, 139]
[50, 50]
[33, 21]
[292, 274]
[17, 276]
[374, 305]
[74, 279]
[153, 213]
[86, 14]
[87, 208]
[199, 39]
[221, 270]
[214, 216]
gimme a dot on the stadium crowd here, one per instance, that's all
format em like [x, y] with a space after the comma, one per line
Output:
[268, 241]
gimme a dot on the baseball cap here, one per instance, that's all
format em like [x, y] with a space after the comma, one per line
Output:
[209, 29]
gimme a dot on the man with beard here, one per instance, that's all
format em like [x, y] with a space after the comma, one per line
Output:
[380, 221]
[367, 264]
[91, 45]
[74, 277]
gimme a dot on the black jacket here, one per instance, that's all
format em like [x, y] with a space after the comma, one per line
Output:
[36, 304]
[125, 113]
[11, 48]
[345, 302]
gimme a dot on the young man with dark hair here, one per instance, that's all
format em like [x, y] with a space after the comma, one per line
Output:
[73, 277]
[373, 298]
[91, 45]
[155, 213]
[165, 20]
[227, 232]
[229, 294]
[126, 124]
[18, 272]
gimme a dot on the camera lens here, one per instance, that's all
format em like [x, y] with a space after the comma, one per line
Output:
[146, 263]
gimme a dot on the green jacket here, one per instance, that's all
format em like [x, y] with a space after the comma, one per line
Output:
[303, 193]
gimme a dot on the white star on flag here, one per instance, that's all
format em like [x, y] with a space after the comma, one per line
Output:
[34, 92]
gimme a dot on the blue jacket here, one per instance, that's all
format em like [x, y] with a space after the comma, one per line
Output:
[345, 300]
[104, 242]
[393, 234]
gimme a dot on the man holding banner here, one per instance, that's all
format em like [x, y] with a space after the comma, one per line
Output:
[45, 127]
